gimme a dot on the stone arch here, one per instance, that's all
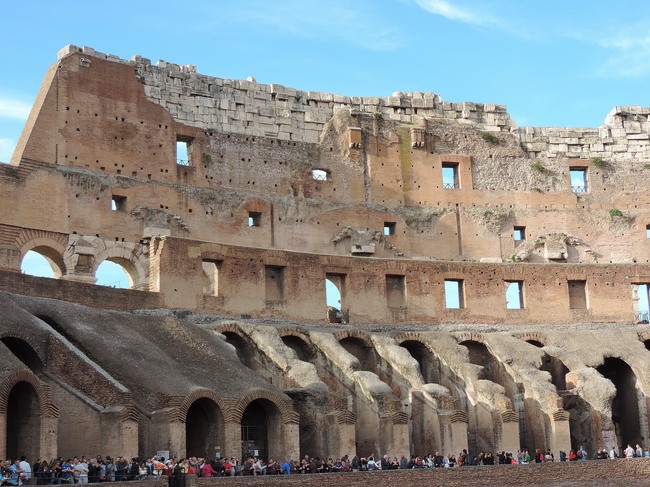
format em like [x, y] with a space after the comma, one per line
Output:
[267, 422]
[470, 336]
[625, 404]
[28, 417]
[130, 257]
[181, 411]
[284, 405]
[534, 338]
[358, 334]
[240, 340]
[47, 409]
[24, 349]
[359, 345]
[422, 352]
[299, 342]
[202, 412]
[51, 250]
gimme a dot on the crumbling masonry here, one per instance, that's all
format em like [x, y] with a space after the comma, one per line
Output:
[493, 280]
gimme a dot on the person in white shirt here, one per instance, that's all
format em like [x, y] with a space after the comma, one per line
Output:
[25, 467]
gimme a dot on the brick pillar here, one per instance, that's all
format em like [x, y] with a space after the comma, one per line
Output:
[233, 439]
[49, 436]
[560, 433]
[291, 432]
[509, 441]
[458, 433]
[399, 443]
[9, 259]
[346, 427]
[3, 436]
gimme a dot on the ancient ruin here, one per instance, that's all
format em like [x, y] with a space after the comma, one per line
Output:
[493, 279]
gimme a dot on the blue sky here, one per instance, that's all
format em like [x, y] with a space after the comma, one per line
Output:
[557, 63]
[553, 63]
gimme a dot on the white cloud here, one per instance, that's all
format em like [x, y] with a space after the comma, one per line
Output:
[12, 108]
[7, 147]
[630, 57]
[453, 12]
[318, 20]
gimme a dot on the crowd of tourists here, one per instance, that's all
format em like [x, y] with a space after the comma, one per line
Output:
[99, 469]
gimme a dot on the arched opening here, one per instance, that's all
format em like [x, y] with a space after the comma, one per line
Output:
[113, 273]
[625, 405]
[335, 297]
[23, 422]
[529, 428]
[428, 362]
[261, 430]
[300, 346]
[557, 369]
[243, 348]
[203, 429]
[535, 343]
[24, 352]
[42, 262]
[361, 351]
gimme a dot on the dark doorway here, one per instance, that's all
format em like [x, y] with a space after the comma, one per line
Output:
[361, 351]
[23, 422]
[203, 429]
[300, 346]
[254, 431]
[24, 352]
[429, 363]
[625, 405]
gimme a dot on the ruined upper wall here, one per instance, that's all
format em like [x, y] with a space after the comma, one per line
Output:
[251, 108]
[271, 110]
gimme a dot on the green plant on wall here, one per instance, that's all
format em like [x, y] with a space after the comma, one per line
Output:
[597, 161]
[537, 166]
[614, 212]
[490, 138]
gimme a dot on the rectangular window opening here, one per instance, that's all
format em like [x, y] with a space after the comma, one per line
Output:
[450, 175]
[320, 175]
[118, 203]
[578, 179]
[395, 291]
[519, 234]
[254, 219]
[647, 231]
[643, 302]
[577, 294]
[183, 151]
[515, 295]
[454, 298]
[389, 228]
[211, 270]
[274, 283]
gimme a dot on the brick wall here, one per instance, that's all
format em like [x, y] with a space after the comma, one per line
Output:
[86, 294]
[627, 473]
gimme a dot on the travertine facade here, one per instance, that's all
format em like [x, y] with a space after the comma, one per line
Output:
[422, 213]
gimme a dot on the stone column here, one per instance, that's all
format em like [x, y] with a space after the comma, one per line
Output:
[399, 443]
[509, 441]
[458, 433]
[49, 436]
[560, 433]
[9, 259]
[233, 439]
[347, 444]
[291, 432]
[3, 436]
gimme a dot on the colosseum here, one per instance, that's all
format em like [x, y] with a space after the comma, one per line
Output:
[490, 281]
